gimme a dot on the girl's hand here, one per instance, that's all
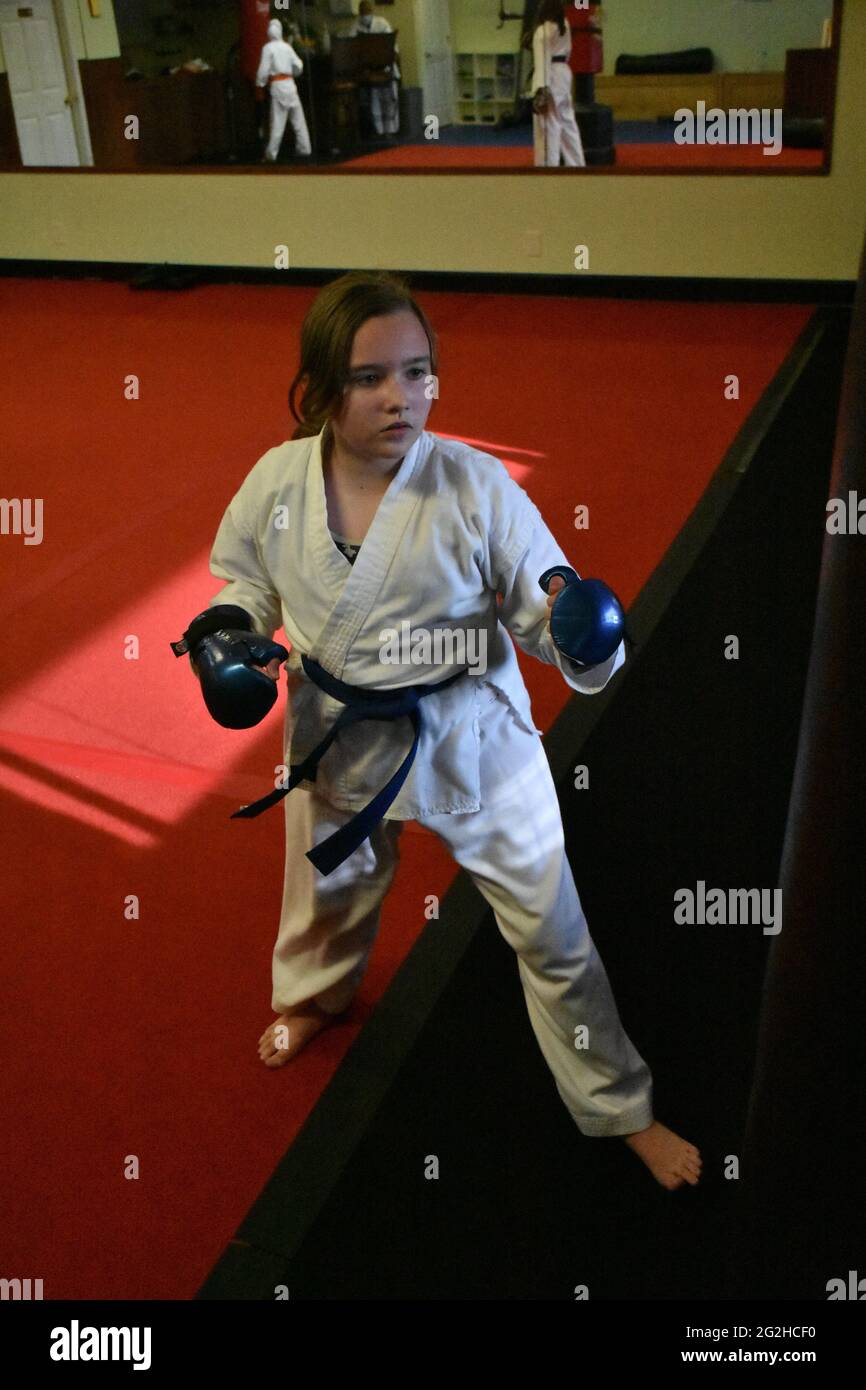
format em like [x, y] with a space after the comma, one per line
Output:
[272, 669]
[556, 583]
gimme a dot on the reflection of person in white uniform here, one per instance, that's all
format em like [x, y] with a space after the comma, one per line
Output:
[555, 131]
[279, 67]
[384, 101]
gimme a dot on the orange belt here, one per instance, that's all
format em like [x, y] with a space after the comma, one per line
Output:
[281, 77]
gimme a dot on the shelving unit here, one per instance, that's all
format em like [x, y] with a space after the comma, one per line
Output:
[484, 83]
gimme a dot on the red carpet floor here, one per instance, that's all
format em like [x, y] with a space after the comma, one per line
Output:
[662, 158]
[130, 1032]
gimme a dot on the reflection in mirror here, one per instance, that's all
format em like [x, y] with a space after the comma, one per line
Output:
[423, 85]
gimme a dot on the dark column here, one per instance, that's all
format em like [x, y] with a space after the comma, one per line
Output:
[800, 1209]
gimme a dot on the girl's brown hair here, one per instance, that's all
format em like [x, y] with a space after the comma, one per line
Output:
[551, 12]
[327, 334]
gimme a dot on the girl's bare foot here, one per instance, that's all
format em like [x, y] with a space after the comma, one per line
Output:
[671, 1160]
[288, 1033]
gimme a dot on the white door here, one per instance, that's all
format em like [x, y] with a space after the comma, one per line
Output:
[37, 83]
[436, 68]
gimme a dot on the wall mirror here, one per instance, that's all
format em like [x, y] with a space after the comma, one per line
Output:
[420, 86]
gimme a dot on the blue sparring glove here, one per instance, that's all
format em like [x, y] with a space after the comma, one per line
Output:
[223, 648]
[587, 623]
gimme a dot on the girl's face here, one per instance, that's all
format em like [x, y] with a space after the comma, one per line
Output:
[389, 366]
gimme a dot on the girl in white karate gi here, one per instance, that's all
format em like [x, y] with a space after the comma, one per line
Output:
[460, 536]
[279, 67]
[556, 131]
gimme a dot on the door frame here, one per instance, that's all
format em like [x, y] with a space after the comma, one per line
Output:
[75, 92]
[419, 9]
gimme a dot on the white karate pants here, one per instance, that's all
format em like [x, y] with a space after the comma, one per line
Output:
[557, 133]
[384, 106]
[285, 102]
[514, 851]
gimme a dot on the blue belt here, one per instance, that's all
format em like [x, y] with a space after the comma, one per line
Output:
[361, 703]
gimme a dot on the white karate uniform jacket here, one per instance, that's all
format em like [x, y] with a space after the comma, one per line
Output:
[547, 44]
[279, 57]
[452, 531]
